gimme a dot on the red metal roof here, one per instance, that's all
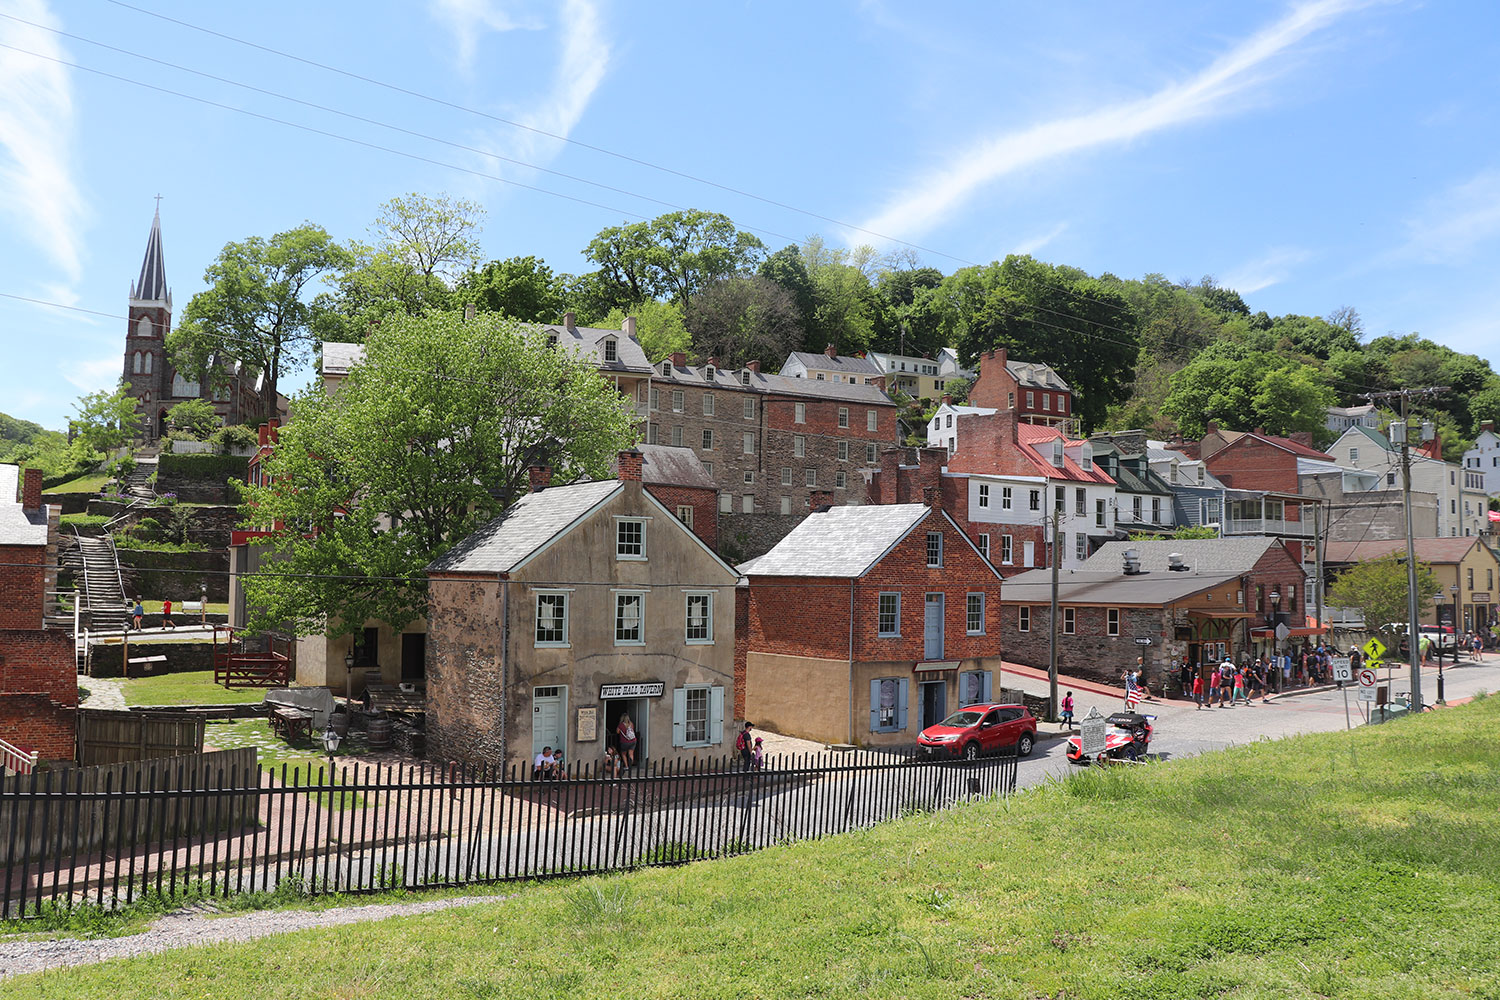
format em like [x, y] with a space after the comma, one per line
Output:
[1036, 443]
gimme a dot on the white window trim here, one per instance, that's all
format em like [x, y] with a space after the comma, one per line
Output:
[1113, 631]
[627, 557]
[888, 635]
[536, 606]
[1023, 618]
[982, 615]
[687, 599]
[614, 624]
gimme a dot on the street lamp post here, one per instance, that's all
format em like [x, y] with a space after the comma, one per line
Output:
[348, 677]
[1275, 614]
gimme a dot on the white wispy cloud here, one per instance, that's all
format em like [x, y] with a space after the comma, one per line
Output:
[1271, 268]
[469, 20]
[38, 195]
[93, 374]
[933, 196]
[1452, 223]
[1032, 244]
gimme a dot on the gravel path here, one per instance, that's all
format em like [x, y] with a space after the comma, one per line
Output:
[104, 693]
[186, 929]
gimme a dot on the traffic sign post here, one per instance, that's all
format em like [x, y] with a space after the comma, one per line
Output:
[1143, 640]
[1374, 649]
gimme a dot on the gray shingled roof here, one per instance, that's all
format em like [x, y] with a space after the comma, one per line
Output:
[1035, 375]
[821, 362]
[1100, 587]
[664, 465]
[1223, 555]
[151, 286]
[18, 526]
[792, 386]
[529, 524]
[841, 541]
[581, 340]
[338, 358]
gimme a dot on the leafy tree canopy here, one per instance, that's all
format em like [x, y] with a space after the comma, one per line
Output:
[672, 256]
[429, 437]
[522, 288]
[106, 420]
[1378, 589]
[195, 416]
[658, 326]
[736, 320]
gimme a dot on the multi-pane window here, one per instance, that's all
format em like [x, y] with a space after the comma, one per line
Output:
[676, 437]
[870, 455]
[700, 618]
[1005, 498]
[890, 615]
[630, 538]
[747, 444]
[652, 433]
[872, 420]
[708, 404]
[611, 350]
[1046, 401]
[1030, 399]
[677, 401]
[749, 477]
[708, 468]
[934, 548]
[695, 715]
[655, 398]
[800, 415]
[786, 475]
[1080, 501]
[1059, 498]
[799, 446]
[1112, 621]
[984, 544]
[726, 503]
[843, 451]
[1081, 546]
[628, 609]
[1099, 515]
[551, 619]
[1156, 510]
[843, 416]
[708, 440]
[749, 409]
[984, 494]
[839, 479]
[1135, 508]
[1006, 549]
[1069, 615]
[975, 614]
[1036, 499]
[1023, 619]
[812, 477]
[685, 514]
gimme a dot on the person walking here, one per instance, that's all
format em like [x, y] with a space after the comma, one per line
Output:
[627, 737]
[1198, 690]
[1226, 682]
[1239, 687]
[138, 613]
[744, 745]
[1185, 677]
[166, 615]
[1067, 710]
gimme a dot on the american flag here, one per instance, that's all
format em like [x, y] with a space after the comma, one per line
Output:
[1133, 697]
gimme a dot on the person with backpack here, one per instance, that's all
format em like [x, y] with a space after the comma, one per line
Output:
[745, 747]
[1226, 682]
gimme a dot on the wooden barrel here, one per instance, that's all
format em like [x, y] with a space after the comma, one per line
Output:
[340, 723]
[379, 733]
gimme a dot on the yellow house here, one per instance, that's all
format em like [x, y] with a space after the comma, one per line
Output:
[1467, 571]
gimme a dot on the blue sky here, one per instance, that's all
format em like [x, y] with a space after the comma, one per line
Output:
[1311, 155]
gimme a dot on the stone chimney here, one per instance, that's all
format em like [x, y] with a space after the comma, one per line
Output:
[541, 477]
[829, 350]
[932, 496]
[628, 327]
[469, 312]
[820, 500]
[31, 490]
[570, 320]
[630, 466]
[754, 366]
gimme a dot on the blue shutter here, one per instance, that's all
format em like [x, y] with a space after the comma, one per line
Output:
[874, 706]
[989, 685]
[679, 717]
[716, 715]
[901, 699]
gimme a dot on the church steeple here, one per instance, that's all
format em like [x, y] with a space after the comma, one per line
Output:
[151, 286]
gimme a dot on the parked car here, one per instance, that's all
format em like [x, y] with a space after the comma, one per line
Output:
[1444, 639]
[1126, 737]
[980, 729]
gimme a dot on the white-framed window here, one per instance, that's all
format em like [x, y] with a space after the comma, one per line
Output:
[1007, 550]
[609, 349]
[1080, 501]
[872, 420]
[747, 503]
[708, 468]
[1112, 621]
[843, 451]
[1081, 546]
[1099, 513]
[1069, 618]
[700, 618]
[708, 404]
[950, 420]
[697, 715]
[870, 454]
[1059, 498]
[974, 614]
[1028, 552]
[652, 432]
[1354, 454]
[799, 413]
[984, 494]
[745, 377]
[1005, 499]
[812, 477]
[1030, 399]
[749, 477]
[655, 398]
[678, 401]
[551, 618]
[1023, 619]
[839, 479]
[1155, 510]
[786, 475]
[843, 416]
[935, 549]
[889, 608]
[1062, 403]
[799, 446]
[1046, 401]
[888, 697]
[749, 409]
[685, 514]
[676, 437]
[630, 538]
[726, 503]
[1135, 508]
[984, 544]
[747, 443]
[708, 440]
[630, 607]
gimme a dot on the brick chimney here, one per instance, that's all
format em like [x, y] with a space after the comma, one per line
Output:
[570, 320]
[1487, 425]
[947, 399]
[929, 471]
[890, 475]
[628, 327]
[630, 466]
[268, 432]
[31, 490]
[1303, 438]
[932, 496]
[540, 476]
[754, 366]
[829, 350]
[820, 499]
[712, 362]
[678, 359]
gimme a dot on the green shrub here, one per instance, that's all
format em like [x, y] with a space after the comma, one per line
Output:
[233, 436]
[215, 468]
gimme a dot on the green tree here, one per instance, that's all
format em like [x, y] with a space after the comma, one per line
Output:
[845, 304]
[1377, 588]
[737, 320]
[195, 416]
[429, 437]
[672, 256]
[1292, 399]
[658, 326]
[522, 288]
[787, 268]
[256, 308]
[106, 420]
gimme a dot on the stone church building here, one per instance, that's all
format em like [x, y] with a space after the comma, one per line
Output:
[152, 379]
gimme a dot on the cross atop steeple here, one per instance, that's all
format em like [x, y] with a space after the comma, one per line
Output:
[158, 205]
[151, 286]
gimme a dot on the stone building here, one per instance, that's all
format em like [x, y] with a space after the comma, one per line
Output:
[38, 669]
[866, 624]
[577, 605]
[1360, 505]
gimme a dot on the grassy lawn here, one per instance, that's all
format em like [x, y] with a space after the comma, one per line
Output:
[84, 520]
[1324, 866]
[185, 617]
[192, 688]
[83, 484]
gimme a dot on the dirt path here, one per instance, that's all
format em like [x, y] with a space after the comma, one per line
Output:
[189, 929]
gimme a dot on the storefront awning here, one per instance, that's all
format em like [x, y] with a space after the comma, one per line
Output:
[933, 665]
[1207, 613]
[1311, 628]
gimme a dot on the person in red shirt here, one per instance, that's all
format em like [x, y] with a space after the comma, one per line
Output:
[166, 615]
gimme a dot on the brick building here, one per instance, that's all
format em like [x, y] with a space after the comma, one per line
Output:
[1255, 459]
[1035, 392]
[866, 624]
[38, 671]
[678, 479]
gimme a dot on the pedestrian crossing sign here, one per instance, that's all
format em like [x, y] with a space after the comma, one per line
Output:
[1374, 649]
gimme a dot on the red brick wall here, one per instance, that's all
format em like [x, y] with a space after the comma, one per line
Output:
[994, 383]
[38, 691]
[798, 616]
[22, 575]
[1252, 464]
[1276, 571]
[741, 647]
[822, 417]
[705, 504]
[31, 722]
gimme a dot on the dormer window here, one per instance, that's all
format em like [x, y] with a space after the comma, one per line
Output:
[551, 340]
[1174, 472]
[745, 377]
[1086, 455]
[1057, 452]
[609, 350]
[1200, 475]
[666, 369]
[710, 373]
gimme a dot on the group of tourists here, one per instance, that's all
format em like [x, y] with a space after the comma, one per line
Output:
[1229, 683]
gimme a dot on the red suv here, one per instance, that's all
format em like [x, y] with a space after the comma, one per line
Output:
[980, 729]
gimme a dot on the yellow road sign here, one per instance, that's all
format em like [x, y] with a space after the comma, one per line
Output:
[1374, 649]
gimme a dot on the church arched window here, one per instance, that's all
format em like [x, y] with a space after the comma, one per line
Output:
[143, 328]
[149, 356]
[182, 388]
[135, 363]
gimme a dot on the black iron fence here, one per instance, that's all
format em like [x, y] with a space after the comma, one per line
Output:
[363, 828]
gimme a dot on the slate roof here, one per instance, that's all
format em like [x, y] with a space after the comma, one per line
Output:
[531, 522]
[1100, 587]
[1035, 375]
[18, 526]
[1125, 477]
[734, 381]
[151, 286]
[1225, 556]
[581, 340]
[821, 362]
[839, 542]
[663, 465]
[1432, 550]
[338, 358]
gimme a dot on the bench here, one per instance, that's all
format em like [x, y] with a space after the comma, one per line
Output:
[147, 659]
[288, 722]
[190, 606]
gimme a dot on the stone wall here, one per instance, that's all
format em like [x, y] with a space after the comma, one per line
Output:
[745, 536]
[180, 576]
[182, 657]
[1089, 652]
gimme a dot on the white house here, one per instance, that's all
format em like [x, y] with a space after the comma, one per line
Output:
[1460, 492]
[942, 431]
[1484, 457]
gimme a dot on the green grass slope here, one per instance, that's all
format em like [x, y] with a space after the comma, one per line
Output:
[1336, 865]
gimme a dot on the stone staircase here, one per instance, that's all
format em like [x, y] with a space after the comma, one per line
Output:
[99, 578]
[137, 483]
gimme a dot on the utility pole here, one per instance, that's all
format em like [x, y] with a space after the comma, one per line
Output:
[1402, 429]
[1318, 563]
[1052, 618]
